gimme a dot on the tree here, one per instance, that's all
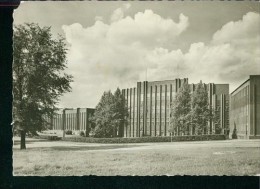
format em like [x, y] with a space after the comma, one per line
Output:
[120, 112]
[180, 110]
[200, 110]
[38, 77]
[110, 115]
[103, 116]
[216, 120]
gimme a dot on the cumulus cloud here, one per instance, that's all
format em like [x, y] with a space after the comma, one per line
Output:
[98, 18]
[232, 55]
[118, 14]
[129, 49]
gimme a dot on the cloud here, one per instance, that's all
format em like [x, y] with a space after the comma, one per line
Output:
[98, 18]
[104, 56]
[118, 14]
[232, 55]
[129, 49]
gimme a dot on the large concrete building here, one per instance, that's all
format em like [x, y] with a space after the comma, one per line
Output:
[72, 119]
[245, 109]
[149, 106]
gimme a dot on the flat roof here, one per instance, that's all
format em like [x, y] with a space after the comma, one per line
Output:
[240, 85]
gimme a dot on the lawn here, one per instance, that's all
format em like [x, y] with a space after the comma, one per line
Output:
[239, 157]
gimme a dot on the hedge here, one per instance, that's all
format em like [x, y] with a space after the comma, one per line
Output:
[48, 137]
[145, 139]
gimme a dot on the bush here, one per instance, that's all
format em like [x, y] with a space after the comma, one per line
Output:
[234, 134]
[146, 139]
[68, 132]
[82, 133]
[53, 138]
[48, 137]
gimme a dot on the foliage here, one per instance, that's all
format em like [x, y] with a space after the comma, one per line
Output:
[145, 139]
[234, 134]
[81, 133]
[200, 110]
[68, 132]
[110, 114]
[216, 120]
[180, 110]
[38, 76]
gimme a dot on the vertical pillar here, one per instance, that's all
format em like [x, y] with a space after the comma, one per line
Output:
[165, 111]
[176, 85]
[87, 122]
[214, 106]
[52, 122]
[254, 111]
[145, 108]
[222, 112]
[127, 124]
[151, 109]
[124, 124]
[134, 107]
[130, 112]
[138, 107]
[63, 122]
[170, 94]
[160, 119]
[155, 111]
[78, 119]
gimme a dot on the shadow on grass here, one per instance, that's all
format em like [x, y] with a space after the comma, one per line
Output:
[78, 148]
[87, 148]
[31, 141]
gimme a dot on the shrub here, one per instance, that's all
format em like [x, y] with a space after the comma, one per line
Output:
[68, 132]
[82, 133]
[53, 138]
[146, 139]
[234, 134]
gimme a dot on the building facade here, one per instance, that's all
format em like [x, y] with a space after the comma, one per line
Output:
[149, 106]
[245, 109]
[72, 119]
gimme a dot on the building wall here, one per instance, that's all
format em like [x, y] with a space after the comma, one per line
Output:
[244, 109]
[72, 119]
[149, 106]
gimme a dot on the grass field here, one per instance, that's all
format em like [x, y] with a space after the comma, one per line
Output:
[236, 157]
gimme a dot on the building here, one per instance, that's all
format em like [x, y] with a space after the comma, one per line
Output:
[245, 109]
[72, 119]
[149, 106]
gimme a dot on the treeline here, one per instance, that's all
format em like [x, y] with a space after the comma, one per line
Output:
[191, 112]
[110, 115]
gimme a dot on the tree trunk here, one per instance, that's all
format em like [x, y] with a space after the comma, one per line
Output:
[23, 140]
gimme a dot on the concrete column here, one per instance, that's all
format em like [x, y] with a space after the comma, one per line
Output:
[130, 112]
[155, 111]
[144, 109]
[63, 122]
[254, 110]
[165, 110]
[151, 109]
[78, 119]
[138, 107]
[87, 120]
[160, 131]
[134, 106]
[222, 112]
[127, 124]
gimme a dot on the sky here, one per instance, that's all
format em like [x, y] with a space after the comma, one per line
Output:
[116, 44]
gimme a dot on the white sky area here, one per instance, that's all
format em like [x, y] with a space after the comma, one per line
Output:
[116, 44]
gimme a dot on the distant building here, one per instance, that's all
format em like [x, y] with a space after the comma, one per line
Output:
[149, 106]
[245, 109]
[72, 119]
